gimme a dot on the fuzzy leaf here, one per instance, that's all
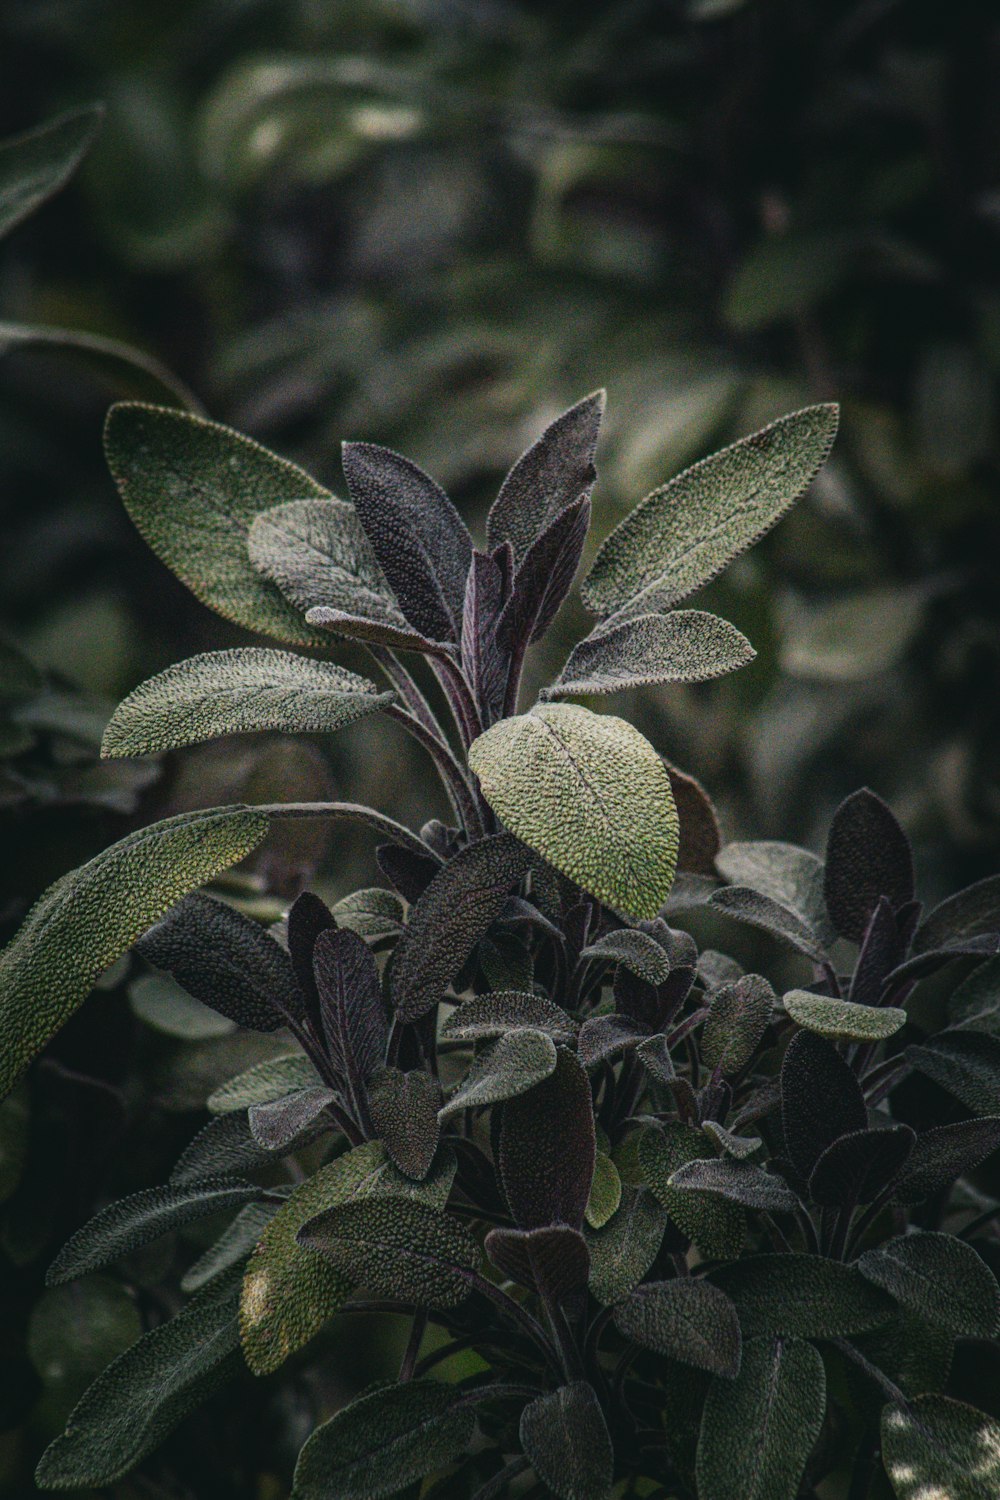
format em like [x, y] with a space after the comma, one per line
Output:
[457, 909]
[318, 555]
[223, 1148]
[746, 905]
[739, 1147]
[567, 1440]
[622, 1252]
[974, 1005]
[396, 1247]
[801, 1296]
[374, 914]
[701, 838]
[967, 914]
[263, 1083]
[940, 1278]
[225, 960]
[141, 1397]
[491, 1015]
[758, 1430]
[404, 1110]
[232, 1247]
[131, 1222]
[855, 1168]
[384, 1441]
[716, 1227]
[604, 1037]
[89, 918]
[514, 1063]
[966, 1064]
[553, 1261]
[945, 1153]
[685, 533]
[605, 1192]
[420, 540]
[686, 645]
[820, 1100]
[641, 954]
[277, 1124]
[237, 692]
[351, 1010]
[545, 577]
[127, 370]
[739, 1181]
[193, 489]
[484, 660]
[590, 795]
[739, 1016]
[791, 876]
[547, 1145]
[688, 1319]
[867, 856]
[37, 163]
[552, 473]
[843, 1020]
[940, 1447]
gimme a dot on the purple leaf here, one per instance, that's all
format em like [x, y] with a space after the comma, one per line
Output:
[553, 1261]
[545, 577]
[552, 473]
[821, 1100]
[867, 856]
[855, 1168]
[547, 1148]
[404, 1110]
[483, 661]
[353, 1016]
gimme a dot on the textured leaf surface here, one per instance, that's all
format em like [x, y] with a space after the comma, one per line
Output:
[318, 555]
[351, 1010]
[224, 1147]
[491, 1015]
[90, 917]
[277, 1124]
[940, 1447]
[749, 906]
[739, 1016]
[791, 876]
[605, 1192]
[547, 1146]
[193, 489]
[545, 576]
[966, 914]
[590, 795]
[641, 954]
[624, 1250]
[511, 1065]
[867, 856]
[701, 837]
[237, 692]
[404, 1110]
[373, 913]
[396, 1247]
[272, 1079]
[689, 1319]
[716, 1226]
[974, 1005]
[687, 645]
[758, 1430]
[682, 535]
[37, 163]
[802, 1296]
[566, 1437]
[820, 1099]
[457, 909]
[233, 1245]
[554, 471]
[940, 1278]
[553, 1261]
[739, 1181]
[945, 1153]
[843, 1019]
[855, 1168]
[966, 1064]
[383, 1441]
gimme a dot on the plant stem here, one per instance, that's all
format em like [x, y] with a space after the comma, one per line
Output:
[449, 674]
[891, 1390]
[517, 1314]
[413, 1343]
[452, 775]
[407, 687]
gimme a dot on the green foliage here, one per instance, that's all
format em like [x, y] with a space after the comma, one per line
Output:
[686, 646]
[565, 1436]
[939, 1443]
[841, 1019]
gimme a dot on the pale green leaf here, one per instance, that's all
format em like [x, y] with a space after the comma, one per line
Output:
[509, 1066]
[317, 553]
[605, 1192]
[843, 1020]
[686, 645]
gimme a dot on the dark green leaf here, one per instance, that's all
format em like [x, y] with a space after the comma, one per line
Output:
[716, 1227]
[233, 1245]
[855, 1168]
[971, 912]
[623, 1251]
[802, 1296]
[224, 1147]
[688, 1319]
[737, 1146]
[551, 474]
[745, 905]
[547, 1145]
[566, 1437]
[37, 163]
[966, 1064]
[404, 1110]
[821, 1100]
[975, 1003]
[491, 1015]
[940, 1278]
[277, 1124]
[374, 914]
[128, 371]
[943, 1154]
[396, 1247]
[738, 1181]
[514, 1063]
[264, 1082]
[641, 954]
[867, 856]
[686, 645]
[739, 1016]
[318, 555]
[937, 1446]
[791, 876]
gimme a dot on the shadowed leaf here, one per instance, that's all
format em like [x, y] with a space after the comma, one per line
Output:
[544, 577]
[867, 856]
[37, 163]
[688, 1319]
[491, 1015]
[786, 874]
[514, 1063]
[553, 1261]
[684, 646]
[738, 1181]
[966, 1064]
[566, 1437]
[404, 1109]
[263, 1083]
[969, 913]
[855, 1168]
[280, 1122]
[940, 1278]
[701, 838]
[943, 1154]
[351, 1010]
[547, 477]
[232, 1247]
[396, 1247]
[641, 954]
[802, 1296]
[547, 1146]
[820, 1100]
[715, 1226]
[745, 905]
[623, 1251]
[605, 1192]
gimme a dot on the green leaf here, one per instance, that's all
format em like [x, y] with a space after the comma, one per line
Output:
[193, 489]
[384, 1441]
[943, 1154]
[756, 910]
[318, 555]
[684, 646]
[623, 1251]
[142, 1396]
[791, 876]
[802, 1296]
[682, 535]
[967, 1064]
[739, 1181]
[605, 1192]
[278, 1124]
[834, 641]
[590, 795]
[127, 370]
[939, 1277]
[843, 1020]
[758, 1430]
[160, 1003]
[550, 475]
[404, 1110]
[373, 914]
[263, 1083]
[511, 1065]
[233, 1245]
[716, 1227]
[940, 1447]
[491, 1015]
[966, 914]
[688, 1319]
[737, 1146]
[567, 1440]
[974, 1005]
[740, 1014]
[238, 692]
[641, 954]
[289, 1291]
[89, 918]
[396, 1247]
[73, 1333]
[37, 163]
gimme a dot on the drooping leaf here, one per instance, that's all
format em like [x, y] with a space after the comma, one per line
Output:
[224, 1147]
[739, 1147]
[225, 960]
[867, 856]
[316, 552]
[965, 1063]
[688, 1319]
[566, 1437]
[131, 1222]
[277, 1124]
[384, 1441]
[193, 489]
[821, 1100]
[604, 1037]
[856, 1167]
[739, 1181]
[457, 909]
[160, 1003]
[553, 1261]
[938, 1446]
[553, 472]
[801, 1296]
[940, 1278]
[263, 1083]
[486, 1016]
[351, 1010]
[746, 905]
[233, 1245]
[396, 1247]
[843, 1020]
[740, 1014]
[641, 954]
[142, 1396]
[605, 1192]
[758, 1430]
[967, 914]
[544, 577]
[715, 1226]
[590, 795]
[37, 163]
[404, 1110]
[546, 1148]
[89, 918]
[786, 874]
[943, 1154]
[682, 535]
[236, 692]
[686, 645]
[515, 1062]
[421, 542]
[622, 1252]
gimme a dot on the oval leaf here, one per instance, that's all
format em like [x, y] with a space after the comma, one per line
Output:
[566, 1437]
[687, 645]
[843, 1020]
[396, 1247]
[688, 1319]
[937, 1446]
[940, 1278]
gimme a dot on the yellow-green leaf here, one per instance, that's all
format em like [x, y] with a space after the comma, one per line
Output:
[843, 1019]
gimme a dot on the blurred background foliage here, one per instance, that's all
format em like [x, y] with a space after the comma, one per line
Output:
[433, 224]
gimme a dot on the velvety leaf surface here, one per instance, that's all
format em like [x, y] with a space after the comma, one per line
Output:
[491, 1015]
[130, 1222]
[514, 1063]
[554, 471]
[404, 1110]
[351, 1010]
[974, 1004]
[716, 1226]
[938, 1277]
[641, 954]
[383, 1441]
[37, 163]
[590, 795]
[604, 1037]
[237, 692]
[547, 1146]
[193, 489]
[280, 1122]
[938, 1446]
[373, 914]
[458, 908]
[738, 1181]
[758, 1430]
[820, 1099]
[945, 1153]
[223, 1148]
[605, 1192]
[740, 1014]
[553, 1261]
[566, 1437]
[867, 856]
[688, 1319]
[737, 1146]
[966, 1064]
[843, 1019]
[396, 1247]
[685, 533]
[545, 576]
[746, 905]
[855, 1168]
[263, 1083]
[318, 555]
[687, 645]
[786, 874]
[484, 660]
[967, 914]
[89, 918]
[623, 1251]
[801, 1296]
[421, 542]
